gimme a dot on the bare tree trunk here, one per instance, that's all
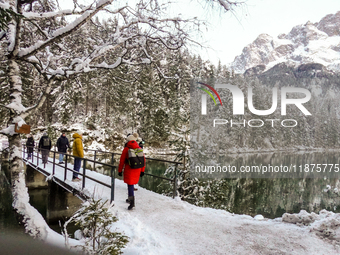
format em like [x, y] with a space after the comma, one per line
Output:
[15, 157]
[15, 163]
[87, 100]
[20, 203]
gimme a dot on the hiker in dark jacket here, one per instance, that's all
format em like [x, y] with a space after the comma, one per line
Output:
[62, 145]
[45, 147]
[131, 175]
[30, 146]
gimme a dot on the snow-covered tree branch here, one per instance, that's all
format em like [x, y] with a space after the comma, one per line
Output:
[62, 32]
[44, 46]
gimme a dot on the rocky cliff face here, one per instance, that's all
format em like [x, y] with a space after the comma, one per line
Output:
[294, 75]
[309, 43]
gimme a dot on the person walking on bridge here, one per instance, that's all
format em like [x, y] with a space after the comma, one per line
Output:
[62, 145]
[78, 152]
[30, 146]
[132, 161]
[45, 147]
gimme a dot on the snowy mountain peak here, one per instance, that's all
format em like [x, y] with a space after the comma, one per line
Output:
[330, 24]
[309, 43]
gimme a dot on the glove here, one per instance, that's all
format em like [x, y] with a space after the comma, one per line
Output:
[120, 173]
[141, 174]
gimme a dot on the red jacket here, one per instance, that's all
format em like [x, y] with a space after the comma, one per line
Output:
[131, 176]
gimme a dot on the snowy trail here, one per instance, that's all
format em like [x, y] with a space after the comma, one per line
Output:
[162, 225]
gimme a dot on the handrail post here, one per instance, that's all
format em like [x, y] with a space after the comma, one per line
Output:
[65, 171]
[112, 156]
[94, 163]
[113, 175]
[38, 157]
[84, 171]
[174, 193]
[53, 171]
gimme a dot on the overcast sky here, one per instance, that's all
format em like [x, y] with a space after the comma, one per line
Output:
[229, 33]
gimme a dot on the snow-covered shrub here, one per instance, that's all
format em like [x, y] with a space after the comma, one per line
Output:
[199, 192]
[96, 225]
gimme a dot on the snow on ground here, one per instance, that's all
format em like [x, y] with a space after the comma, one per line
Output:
[162, 225]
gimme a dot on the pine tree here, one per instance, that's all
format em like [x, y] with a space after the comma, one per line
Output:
[96, 225]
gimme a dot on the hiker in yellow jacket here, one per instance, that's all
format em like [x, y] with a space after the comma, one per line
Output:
[78, 152]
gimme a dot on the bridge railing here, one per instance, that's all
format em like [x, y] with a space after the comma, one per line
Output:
[173, 180]
[35, 156]
[111, 166]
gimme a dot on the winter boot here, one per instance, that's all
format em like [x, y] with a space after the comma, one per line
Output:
[132, 202]
[127, 200]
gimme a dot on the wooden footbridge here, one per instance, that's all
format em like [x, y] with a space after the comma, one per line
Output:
[61, 174]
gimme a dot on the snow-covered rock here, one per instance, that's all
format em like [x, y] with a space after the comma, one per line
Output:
[259, 217]
[302, 218]
[325, 224]
[328, 226]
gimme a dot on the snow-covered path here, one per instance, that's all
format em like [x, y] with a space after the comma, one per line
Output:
[167, 226]
[162, 225]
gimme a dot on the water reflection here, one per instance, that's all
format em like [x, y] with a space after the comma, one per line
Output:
[268, 165]
[54, 203]
[39, 199]
[272, 196]
[8, 221]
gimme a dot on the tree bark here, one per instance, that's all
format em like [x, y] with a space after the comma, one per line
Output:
[15, 156]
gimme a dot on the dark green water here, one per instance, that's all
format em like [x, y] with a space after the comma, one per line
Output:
[272, 196]
[8, 220]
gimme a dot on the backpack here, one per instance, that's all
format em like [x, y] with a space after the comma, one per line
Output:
[136, 158]
[30, 142]
[46, 141]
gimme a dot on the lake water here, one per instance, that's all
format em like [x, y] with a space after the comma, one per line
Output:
[8, 221]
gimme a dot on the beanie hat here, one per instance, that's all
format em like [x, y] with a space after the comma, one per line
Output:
[133, 137]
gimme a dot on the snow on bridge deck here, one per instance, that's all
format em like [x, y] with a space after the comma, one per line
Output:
[162, 225]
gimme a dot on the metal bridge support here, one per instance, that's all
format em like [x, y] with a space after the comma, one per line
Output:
[61, 203]
[34, 179]
[50, 199]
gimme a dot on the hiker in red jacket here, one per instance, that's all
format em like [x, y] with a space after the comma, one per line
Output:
[131, 172]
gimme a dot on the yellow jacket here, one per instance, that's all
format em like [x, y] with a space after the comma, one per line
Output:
[77, 146]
